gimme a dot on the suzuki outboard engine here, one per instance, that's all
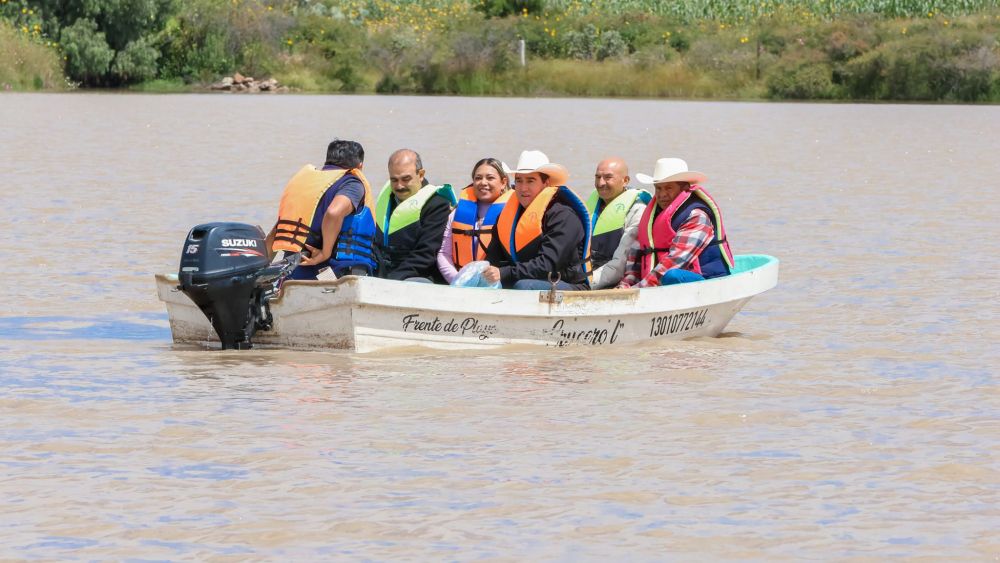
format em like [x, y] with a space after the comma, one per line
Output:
[225, 271]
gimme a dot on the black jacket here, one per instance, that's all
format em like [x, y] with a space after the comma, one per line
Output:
[412, 250]
[558, 249]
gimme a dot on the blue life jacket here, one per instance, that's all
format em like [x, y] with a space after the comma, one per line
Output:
[711, 261]
[354, 245]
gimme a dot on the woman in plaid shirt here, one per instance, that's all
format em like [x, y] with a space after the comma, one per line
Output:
[688, 244]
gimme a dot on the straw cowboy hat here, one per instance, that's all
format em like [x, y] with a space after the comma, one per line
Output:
[671, 170]
[536, 161]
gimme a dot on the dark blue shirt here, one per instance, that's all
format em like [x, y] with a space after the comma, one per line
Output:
[349, 186]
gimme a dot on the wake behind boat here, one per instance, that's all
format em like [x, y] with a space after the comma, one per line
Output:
[366, 314]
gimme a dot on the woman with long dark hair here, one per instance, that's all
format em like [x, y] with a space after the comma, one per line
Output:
[471, 223]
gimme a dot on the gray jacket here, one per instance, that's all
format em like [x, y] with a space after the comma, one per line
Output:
[612, 272]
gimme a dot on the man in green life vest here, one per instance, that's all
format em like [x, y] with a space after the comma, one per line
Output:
[615, 211]
[410, 218]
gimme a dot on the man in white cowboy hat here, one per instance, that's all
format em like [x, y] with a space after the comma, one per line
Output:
[410, 218]
[681, 234]
[615, 209]
[541, 233]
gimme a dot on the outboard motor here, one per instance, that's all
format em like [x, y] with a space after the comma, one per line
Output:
[225, 271]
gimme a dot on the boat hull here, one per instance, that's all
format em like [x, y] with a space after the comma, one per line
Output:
[370, 314]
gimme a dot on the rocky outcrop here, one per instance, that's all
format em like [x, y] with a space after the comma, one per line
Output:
[247, 84]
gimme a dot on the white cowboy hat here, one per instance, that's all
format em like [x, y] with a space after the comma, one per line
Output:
[671, 170]
[536, 161]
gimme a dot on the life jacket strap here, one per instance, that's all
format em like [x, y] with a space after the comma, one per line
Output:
[297, 229]
[646, 251]
[295, 224]
[353, 239]
[290, 240]
[355, 251]
[470, 232]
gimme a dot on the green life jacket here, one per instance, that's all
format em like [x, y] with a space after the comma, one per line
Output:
[398, 224]
[608, 224]
[408, 212]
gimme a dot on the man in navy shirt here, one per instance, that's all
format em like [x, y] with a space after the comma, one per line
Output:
[338, 203]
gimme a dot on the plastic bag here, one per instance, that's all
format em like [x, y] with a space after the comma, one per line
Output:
[471, 275]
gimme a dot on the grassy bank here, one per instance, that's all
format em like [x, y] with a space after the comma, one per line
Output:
[802, 49]
[784, 53]
[27, 65]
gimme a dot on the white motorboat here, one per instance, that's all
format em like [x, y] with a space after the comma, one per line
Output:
[366, 314]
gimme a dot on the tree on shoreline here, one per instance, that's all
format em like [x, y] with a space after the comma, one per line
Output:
[105, 42]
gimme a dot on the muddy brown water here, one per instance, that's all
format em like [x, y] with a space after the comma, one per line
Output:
[852, 412]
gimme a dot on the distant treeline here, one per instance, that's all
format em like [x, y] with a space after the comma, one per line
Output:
[804, 49]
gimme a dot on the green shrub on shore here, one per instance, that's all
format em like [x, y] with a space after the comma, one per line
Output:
[801, 80]
[88, 56]
[26, 64]
[953, 65]
[331, 49]
[211, 38]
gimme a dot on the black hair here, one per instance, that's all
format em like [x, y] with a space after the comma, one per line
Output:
[345, 154]
[496, 166]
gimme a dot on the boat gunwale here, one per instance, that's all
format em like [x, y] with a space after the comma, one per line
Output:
[769, 262]
[370, 292]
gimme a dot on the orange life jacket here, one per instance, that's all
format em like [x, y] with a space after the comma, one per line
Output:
[526, 230]
[465, 230]
[299, 201]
